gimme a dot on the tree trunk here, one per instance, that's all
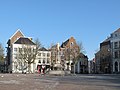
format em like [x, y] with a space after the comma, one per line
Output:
[29, 68]
[74, 69]
[22, 69]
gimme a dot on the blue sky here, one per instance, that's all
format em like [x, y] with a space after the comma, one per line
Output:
[52, 21]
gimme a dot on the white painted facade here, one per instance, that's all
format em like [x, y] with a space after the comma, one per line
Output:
[15, 66]
[44, 60]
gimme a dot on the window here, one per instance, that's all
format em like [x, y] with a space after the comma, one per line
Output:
[115, 45]
[39, 61]
[43, 54]
[119, 54]
[29, 49]
[34, 50]
[116, 54]
[39, 54]
[43, 60]
[15, 56]
[20, 49]
[119, 44]
[115, 35]
[71, 44]
[48, 60]
[15, 49]
[48, 54]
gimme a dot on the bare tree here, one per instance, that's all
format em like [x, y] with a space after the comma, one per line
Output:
[27, 55]
[81, 48]
[77, 54]
[1, 57]
[74, 53]
[1, 52]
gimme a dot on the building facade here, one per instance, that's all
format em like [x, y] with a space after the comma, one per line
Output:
[71, 52]
[108, 57]
[91, 66]
[22, 56]
[82, 65]
[21, 49]
[97, 62]
[43, 61]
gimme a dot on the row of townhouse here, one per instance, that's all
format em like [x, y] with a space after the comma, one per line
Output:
[54, 58]
[107, 59]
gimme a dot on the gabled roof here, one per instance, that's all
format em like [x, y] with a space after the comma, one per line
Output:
[43, 49]
[23, 40]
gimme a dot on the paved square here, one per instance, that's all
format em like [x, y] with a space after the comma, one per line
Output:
[77, 82]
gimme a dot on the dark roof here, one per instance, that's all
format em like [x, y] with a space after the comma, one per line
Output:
[105, 43]
[107, 40]
[64, 43]
[83, 56]
[43, 49]
[23, 40]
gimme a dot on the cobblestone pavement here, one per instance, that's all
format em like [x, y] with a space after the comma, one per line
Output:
[75, 82]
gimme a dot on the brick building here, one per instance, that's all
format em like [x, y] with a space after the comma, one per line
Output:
[71, 53]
